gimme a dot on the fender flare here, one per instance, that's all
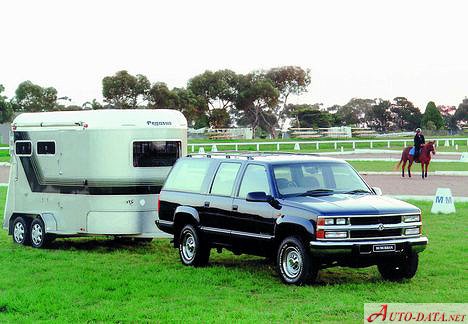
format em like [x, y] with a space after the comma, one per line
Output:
[306, 224]
[50, 222]
[187, 210]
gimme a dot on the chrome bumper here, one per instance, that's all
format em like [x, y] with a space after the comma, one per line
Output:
[416, 244]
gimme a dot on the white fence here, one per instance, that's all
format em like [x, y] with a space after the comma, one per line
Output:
[235, 146]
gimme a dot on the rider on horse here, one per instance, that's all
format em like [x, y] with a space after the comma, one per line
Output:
[419, 141]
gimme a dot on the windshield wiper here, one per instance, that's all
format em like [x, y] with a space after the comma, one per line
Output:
[356, 191]
[317, 192]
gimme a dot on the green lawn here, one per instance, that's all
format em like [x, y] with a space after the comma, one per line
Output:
[4, 156]
[288, 146]
[84, 280]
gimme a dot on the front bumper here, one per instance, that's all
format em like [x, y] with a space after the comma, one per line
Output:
[416, 244]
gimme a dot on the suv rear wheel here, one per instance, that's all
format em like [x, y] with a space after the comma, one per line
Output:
[399, 269]
[193, 251]
[294, 263]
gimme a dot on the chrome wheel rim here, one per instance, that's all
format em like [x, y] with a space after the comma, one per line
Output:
[188, 246]
[36, 234]
[292, 262]
[18, 232]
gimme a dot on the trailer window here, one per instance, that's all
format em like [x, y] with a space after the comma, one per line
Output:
[23, 148]
[46, 148]
[155, 153]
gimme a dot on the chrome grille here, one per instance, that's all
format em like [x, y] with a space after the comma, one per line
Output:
[375, 233]
[375, 220]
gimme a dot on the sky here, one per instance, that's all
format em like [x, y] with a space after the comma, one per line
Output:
[367, 49]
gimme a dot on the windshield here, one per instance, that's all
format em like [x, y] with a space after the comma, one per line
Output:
[318, 178]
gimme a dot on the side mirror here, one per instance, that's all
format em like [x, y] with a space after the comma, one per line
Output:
[258, 196]
[377, 191]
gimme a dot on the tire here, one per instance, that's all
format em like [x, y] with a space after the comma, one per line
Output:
[294, 263]
[399, 269]
[193, 251]
[20, 231]
[38, 235]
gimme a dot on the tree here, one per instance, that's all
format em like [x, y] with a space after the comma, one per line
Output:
[92, 105]
[404, 115]
[354, 112]
[31, 97]
[159, 96]
[461, 115]
[379, 116]
[124, 90]
[219, 118]
[288, 80]
[192, 106]
[256, 101]
[448, 114]
[6, 109]
[309, 116]
[432, 114]
[219, 89]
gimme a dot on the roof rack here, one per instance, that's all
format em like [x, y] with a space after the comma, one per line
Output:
[249, 155]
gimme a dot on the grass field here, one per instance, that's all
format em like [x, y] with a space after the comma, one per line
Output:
[95, 280]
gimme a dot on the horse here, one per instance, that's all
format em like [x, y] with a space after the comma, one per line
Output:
[424, 158]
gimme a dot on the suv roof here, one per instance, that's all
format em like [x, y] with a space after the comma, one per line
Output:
[265, 157]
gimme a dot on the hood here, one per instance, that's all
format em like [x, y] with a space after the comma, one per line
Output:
[344, 204]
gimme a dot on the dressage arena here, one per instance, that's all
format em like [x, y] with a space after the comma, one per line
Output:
[390, 181]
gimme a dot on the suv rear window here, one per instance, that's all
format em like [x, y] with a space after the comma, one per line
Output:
[188, 175]
[155, 153]
[224, 180]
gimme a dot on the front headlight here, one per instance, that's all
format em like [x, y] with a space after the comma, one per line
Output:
[411, 218]
[341, 221]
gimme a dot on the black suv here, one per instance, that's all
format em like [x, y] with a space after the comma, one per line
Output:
[305, 212]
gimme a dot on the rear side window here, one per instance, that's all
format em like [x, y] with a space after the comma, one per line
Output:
[23, 148]
[46, 148]
[255, 179]
[188, 175]
[155, 153]
[224, 180]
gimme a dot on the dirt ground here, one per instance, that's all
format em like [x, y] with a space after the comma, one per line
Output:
[396, 185]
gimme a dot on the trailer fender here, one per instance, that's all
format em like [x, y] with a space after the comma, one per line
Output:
[186, 210]
[49, 222]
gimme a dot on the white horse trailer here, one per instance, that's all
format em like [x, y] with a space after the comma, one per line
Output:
[90, 172]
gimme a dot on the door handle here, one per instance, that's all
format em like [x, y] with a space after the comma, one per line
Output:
[207, 204]
[235, 207]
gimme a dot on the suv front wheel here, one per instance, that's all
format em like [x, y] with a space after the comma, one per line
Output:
[193, 251]
[295, 266]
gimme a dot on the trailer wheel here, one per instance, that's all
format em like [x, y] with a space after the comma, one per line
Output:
[20, 231]
[39, 237]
